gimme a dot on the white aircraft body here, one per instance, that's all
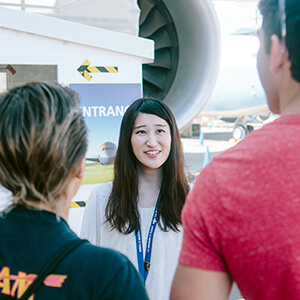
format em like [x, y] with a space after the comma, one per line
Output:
[238, 94]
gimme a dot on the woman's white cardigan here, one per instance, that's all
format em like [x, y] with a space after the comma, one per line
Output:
[165, 247]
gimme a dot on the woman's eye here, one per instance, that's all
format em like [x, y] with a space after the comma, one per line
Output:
[160, 131]
[140, 132]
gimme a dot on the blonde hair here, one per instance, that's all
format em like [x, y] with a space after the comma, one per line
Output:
[43, 138]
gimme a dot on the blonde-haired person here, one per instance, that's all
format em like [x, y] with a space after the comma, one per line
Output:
[43, 140]
[138, 213]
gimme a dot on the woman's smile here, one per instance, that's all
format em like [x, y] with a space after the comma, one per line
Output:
[151, 140]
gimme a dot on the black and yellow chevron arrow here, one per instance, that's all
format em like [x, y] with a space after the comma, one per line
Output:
[85, 69]
[78, 204]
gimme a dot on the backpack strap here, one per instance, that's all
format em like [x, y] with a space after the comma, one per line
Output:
[51, 265]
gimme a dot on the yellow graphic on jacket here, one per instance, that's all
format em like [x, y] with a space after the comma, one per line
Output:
[16, 285]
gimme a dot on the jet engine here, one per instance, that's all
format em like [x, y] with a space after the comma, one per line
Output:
[187, 54]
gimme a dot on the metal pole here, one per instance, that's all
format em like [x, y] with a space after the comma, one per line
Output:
[22, 4]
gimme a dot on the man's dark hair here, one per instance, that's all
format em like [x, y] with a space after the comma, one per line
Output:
[271, 25]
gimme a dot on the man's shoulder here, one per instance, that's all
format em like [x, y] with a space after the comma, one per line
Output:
[257, 142]
[109, 272]
[100, 256]
[229, 168]
[99, 273]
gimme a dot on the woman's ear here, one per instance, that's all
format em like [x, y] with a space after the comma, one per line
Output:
[80, 171]
[278, 54]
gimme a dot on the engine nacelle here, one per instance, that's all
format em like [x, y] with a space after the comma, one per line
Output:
[196, 64]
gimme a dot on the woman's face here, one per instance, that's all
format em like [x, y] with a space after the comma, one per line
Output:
[151, 140]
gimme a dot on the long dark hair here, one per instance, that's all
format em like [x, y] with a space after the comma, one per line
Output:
[122, 211]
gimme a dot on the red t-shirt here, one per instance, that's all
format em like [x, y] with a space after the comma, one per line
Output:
[243, 214]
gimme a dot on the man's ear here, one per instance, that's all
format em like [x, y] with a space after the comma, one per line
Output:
[80, 171]
[277, 53]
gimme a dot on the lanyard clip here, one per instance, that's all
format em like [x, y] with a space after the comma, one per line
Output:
[146, 266]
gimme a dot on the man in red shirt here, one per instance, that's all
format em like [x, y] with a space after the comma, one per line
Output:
[241, 220]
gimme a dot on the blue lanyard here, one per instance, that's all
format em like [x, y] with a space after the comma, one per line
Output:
[144, 265]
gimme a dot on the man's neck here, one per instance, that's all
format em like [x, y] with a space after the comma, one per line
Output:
[289, 91]
[293, 107]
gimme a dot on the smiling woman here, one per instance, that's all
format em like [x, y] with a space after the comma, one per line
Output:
[151, 141]
[149, 188]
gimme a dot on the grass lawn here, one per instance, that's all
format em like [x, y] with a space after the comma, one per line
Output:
[97, 173]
